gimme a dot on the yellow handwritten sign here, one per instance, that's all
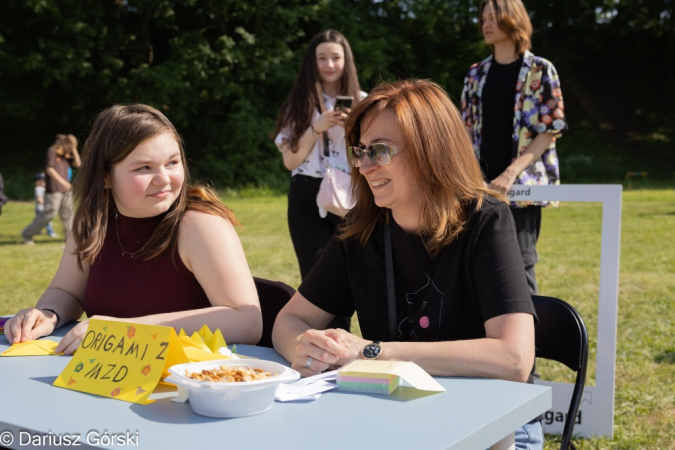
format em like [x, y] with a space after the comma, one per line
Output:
[119, 360]
[125, 361]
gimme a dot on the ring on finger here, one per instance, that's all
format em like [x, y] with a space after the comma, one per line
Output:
[309, 362]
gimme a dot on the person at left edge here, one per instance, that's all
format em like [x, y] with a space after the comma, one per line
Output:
[61, 156]
[146, 245]
[39, 191]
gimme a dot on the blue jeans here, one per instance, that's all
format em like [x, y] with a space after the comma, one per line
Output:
[530, 436]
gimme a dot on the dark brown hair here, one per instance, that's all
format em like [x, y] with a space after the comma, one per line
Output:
[440, 156]
[512, 18]
[296, 113]
[117, 131]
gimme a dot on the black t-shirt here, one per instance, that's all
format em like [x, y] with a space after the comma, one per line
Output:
[499, 101]
[448, 297]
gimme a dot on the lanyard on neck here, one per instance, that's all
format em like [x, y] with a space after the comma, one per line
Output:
[391, 299]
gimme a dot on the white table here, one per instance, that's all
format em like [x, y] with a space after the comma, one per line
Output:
[473, 414]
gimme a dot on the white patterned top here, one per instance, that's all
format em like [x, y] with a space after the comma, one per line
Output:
[315, 163]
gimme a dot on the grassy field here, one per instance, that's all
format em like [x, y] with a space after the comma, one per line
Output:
[569, 252]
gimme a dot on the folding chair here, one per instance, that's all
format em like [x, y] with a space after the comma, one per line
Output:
[273, 297]
[561, 335]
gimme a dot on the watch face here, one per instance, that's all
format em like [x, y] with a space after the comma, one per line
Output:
[371, 351]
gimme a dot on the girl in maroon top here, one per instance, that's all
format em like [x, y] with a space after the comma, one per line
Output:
[146, 246]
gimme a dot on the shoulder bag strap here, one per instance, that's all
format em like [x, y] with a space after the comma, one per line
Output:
[322, 109]
[390, 283]
[326, 145]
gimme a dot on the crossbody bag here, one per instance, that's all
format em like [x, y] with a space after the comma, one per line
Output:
[335, 194]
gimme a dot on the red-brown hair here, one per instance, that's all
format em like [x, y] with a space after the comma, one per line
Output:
[512, 18]
[440, 156]
[117, 131]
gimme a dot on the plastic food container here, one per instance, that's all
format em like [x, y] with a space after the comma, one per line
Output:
[234, 399]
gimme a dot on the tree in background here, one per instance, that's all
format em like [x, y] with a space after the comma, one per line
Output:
[212, 66]
[220, 69]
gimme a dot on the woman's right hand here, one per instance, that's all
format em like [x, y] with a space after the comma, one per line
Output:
[323, 349]
[328, 120]
[29, 324]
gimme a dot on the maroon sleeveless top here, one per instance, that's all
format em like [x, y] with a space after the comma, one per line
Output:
[122, 286]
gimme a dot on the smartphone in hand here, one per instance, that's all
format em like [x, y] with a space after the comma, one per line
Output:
[343, 102]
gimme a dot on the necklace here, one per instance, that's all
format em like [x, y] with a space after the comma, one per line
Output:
[124, 252]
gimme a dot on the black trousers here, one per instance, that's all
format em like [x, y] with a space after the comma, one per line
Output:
[528, 225]
[309, 232]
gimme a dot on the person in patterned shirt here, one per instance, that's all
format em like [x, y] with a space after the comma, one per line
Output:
[513, 109]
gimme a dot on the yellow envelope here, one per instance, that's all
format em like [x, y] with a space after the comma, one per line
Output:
[39, 347]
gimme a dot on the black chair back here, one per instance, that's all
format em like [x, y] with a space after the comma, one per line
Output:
[273, 297]
[561, 335]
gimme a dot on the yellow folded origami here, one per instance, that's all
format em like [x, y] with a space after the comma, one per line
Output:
[40, 347]
[203, 345]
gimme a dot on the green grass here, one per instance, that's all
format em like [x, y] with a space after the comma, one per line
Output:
[569, 252]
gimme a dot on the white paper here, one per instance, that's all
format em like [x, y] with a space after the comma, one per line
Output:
[309, 388]
[227, 352]
[182, 396]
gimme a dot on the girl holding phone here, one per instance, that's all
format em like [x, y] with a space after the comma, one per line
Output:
[310, 136]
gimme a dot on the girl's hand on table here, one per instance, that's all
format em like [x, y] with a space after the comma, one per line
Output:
[29, 324]
[71, 341]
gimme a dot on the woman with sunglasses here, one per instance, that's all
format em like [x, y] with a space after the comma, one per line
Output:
[146, 245]
[310, 136]
[460, 304]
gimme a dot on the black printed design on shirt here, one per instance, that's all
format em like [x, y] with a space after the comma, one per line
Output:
[425, 307]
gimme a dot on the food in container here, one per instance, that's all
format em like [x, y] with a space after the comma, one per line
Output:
[231, 399]
[227, 374]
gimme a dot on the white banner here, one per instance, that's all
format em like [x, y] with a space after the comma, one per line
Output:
[596, 412]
